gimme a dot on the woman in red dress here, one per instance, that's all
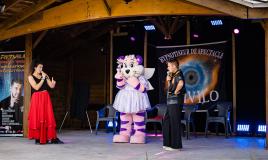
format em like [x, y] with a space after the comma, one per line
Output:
[42, 125]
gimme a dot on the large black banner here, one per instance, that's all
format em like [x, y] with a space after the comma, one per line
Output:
[11, 93]
[201, 66]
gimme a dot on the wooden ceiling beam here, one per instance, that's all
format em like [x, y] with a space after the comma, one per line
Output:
[78, 11]
[11, 3]
[27, 13]
[224, 6]
[108, 8]
[258, 13]
[233, 9]
[40, 37]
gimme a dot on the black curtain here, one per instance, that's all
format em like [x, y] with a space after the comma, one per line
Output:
[80, 100]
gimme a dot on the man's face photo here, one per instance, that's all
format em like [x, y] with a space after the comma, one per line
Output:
[15, 90]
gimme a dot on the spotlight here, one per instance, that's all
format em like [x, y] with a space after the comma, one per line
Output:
[2, 6]
[216, 22]
[236, 31]
[262, 128]
[243, 128]
[132, 38]
[195, 35]
[149, 27]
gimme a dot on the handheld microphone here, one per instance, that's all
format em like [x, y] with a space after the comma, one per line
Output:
[168, 74]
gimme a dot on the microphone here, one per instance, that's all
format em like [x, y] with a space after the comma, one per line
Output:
[168, 74]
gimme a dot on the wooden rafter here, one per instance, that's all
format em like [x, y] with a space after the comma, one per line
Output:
[108, 8]
[11, 3]
[30, 11]
[40, 37]
[233, 9]
[62, 49]
[167, 25]
[223, 6]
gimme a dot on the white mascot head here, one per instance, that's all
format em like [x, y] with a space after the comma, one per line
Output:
[130, 65]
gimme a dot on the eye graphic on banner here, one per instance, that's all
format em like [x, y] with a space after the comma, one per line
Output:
[201, 76]
[202, 71]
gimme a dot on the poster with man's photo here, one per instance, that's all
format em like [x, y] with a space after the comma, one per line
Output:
[11, 93]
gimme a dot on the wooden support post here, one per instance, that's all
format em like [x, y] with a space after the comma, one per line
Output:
[106, 78]
[145, 49]
[234, 81]
[265, 27]
[188, 32]
[27, 87]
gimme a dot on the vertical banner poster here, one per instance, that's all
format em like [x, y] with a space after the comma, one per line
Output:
[200, 65]
[11, 93]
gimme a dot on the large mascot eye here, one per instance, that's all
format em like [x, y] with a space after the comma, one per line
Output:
[131, 65]
[200, 76]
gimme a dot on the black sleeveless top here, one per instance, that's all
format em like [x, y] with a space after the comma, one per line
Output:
[42, 88]
[177, 77]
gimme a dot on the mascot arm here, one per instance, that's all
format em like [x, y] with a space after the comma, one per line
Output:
[120, 80]
[137, 84]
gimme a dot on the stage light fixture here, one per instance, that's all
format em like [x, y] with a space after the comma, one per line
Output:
[195, 35]
[149, 27]
[262, 128]
[217, 22]
[236, 31]
[243, 128]
[132, 39]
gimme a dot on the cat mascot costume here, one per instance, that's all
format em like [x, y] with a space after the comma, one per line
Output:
[132, 99]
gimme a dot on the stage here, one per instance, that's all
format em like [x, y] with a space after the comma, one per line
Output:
[81, 145]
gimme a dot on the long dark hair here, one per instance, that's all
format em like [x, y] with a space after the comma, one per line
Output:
[34, 64]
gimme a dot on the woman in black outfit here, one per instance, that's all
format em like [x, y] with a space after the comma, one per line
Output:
[42, 125]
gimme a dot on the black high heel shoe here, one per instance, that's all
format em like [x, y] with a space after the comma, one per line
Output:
[56, 141]
[37, 141]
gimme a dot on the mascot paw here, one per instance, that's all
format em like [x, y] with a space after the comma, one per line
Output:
[121, 138]
[133, 81]
[118, 76]
[137, 139]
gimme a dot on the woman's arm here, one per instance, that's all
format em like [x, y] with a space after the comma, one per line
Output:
[34, 84]
[51, 83]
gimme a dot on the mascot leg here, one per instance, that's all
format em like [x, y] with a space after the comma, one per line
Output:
[139, 127]
[125, 129]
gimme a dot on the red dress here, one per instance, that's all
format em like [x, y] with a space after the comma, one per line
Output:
[41, 119]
